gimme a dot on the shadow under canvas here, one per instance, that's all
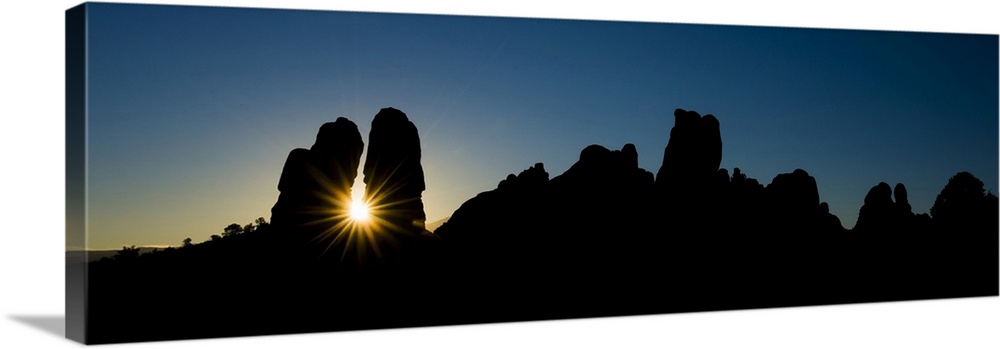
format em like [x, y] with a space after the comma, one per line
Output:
[51, 324]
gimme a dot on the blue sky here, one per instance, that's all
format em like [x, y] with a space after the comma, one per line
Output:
[193, 110]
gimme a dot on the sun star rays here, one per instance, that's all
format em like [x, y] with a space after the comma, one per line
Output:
[358, 211]
[357, 227]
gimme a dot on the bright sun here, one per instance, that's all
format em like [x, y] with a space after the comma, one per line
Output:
[359, 211]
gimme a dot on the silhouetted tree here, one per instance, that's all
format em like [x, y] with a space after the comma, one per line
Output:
[964, 207]
[962, 198]
[232, 230]
[186, 243]
[965, 215]
[127, 253]
[261, 222]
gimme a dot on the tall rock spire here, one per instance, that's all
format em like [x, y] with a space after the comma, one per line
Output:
[693, 153]
[393, 176]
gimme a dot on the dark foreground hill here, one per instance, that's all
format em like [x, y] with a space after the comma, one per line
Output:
[605, 238]
[96, 255]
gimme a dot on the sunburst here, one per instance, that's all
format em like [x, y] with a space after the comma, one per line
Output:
[357, 229]
[359, 211]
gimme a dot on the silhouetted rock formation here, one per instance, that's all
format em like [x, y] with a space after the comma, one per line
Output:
[567, 232]
[532, 179]
[688, 184]
[516, 202]
[312, 211]
[793, 199]
[482, 232]
[927, 257]
[877, 210]
[794, 192]
[694, 239]
[881, 213]
[602, 175]
[744, 196]
[315, 184]
[394, 178]
[692, 155]
[829, 220]
[902, 202]
[603, 189]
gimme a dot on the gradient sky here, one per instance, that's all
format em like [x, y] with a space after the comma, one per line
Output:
[192, 110]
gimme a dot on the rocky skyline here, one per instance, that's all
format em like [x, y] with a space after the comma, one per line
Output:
[208, 129]
[619, 239]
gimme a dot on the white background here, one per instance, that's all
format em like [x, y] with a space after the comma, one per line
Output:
[32, 197]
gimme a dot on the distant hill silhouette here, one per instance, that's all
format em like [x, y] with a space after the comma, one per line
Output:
[96, 255]
[604, 238]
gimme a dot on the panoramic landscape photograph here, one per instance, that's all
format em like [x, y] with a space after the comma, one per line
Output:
[261, 171]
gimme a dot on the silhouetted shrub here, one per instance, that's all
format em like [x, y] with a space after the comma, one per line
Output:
[963, 201]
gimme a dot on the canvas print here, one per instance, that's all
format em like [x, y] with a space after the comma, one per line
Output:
[237, 171]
